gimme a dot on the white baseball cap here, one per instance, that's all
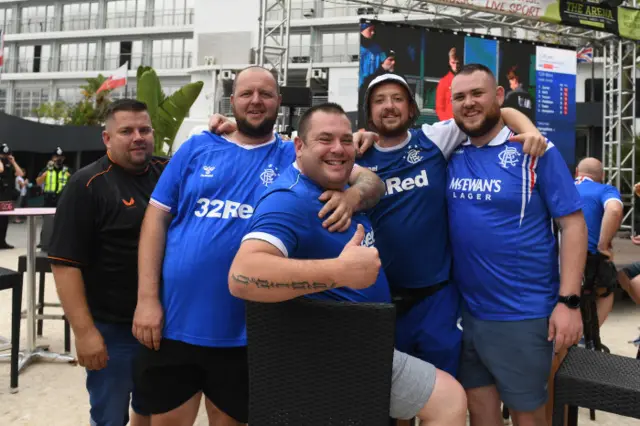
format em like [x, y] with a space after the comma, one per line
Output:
[390, 78]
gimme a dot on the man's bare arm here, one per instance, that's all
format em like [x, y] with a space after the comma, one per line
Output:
[70, 287]
[517, 121]
[573, 252]
[368, 187]
[261, 273]
[611, 221]
[153, 237]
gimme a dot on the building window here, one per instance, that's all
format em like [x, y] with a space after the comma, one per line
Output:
[116, 53]
[172, 53]
[25, 101]
[34, 58]
[37, 19]
[78, 57]
[300, 48]
[3, 100]
[337, 9]
[80, 16]
[340, 47]
[6, 16]
[70, 95]
[172, 12]
[130, 91]
[126, 13]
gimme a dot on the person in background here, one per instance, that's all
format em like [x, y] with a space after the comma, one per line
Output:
[9, 170]
[603, 211]
[22, 186]
[443, 90]
[53, 179]
[94, 258]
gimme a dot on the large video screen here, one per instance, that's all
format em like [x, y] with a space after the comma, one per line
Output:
[539, 80]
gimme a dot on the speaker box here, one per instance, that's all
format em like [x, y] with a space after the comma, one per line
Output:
[296, 97]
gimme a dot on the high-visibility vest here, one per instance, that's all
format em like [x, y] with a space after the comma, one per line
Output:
[55, 180]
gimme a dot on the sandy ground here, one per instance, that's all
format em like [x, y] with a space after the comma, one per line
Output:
[54, 394]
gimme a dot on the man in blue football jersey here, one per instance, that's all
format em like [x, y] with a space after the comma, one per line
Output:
[198, 214]
[286, 244]
[517, 302]
[411, 219]
[603, 210]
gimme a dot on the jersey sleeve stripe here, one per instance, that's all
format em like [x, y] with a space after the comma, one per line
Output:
[159, 205]
[268, 238]
[525, 161]
[613, 199]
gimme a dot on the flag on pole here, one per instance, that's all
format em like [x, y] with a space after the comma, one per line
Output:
[585, 55]
[1, 47]
[117, 79]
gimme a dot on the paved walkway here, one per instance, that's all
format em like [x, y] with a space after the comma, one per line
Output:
[54, 394]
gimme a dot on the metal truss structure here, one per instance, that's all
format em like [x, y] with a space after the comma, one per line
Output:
[620, 72]
[273, 43]
[620, 132]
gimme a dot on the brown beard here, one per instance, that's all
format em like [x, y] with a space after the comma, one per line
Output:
[490, 120]
[261, 130]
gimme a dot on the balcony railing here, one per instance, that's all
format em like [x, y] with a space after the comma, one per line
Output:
[125, 20]
[79, 22]
[78, 63]
[37, 25]
[113, 62]
[28, 64]
[177, 17]
[324, 53]
[171, 61]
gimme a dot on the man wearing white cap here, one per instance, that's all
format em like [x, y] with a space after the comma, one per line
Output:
[410, 221]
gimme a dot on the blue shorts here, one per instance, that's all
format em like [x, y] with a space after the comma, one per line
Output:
[429, 330]
[513, 355]
[111, 389]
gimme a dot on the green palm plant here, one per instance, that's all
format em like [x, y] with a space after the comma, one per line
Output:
[167, 112]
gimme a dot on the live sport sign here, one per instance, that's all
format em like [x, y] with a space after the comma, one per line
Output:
[622, 21]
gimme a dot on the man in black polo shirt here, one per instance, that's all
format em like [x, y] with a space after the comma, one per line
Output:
[94, 255]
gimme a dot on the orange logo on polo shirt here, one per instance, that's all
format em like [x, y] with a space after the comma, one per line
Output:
[129, 203]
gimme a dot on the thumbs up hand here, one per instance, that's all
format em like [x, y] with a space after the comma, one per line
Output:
[359, 265]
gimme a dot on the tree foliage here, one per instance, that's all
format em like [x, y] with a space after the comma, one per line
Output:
[88, 111]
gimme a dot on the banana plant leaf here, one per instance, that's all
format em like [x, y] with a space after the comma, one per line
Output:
[171, 113]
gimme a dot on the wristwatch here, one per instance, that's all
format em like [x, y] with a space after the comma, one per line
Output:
[572, 301]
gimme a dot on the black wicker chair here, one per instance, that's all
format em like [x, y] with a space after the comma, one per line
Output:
[317, 363]
[596, 380]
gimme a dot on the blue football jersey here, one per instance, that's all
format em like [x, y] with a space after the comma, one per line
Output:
[410, 221]
[595, 197]
[287, 217]
[501, 203]
[210, 187]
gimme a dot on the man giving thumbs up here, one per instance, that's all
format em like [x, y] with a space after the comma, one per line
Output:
[288, 253]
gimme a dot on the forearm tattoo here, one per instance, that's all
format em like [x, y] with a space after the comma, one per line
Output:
[293, 285]
[371, 190]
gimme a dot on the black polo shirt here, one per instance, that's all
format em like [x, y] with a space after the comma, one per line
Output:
[97, 228]
[8, 182]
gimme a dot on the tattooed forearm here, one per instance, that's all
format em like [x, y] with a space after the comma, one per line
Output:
[371, 189]
[293, 285]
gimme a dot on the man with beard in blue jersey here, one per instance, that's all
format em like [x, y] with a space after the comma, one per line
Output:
[411, 219]
[197, 216]
[518, 302]
[287, 243]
